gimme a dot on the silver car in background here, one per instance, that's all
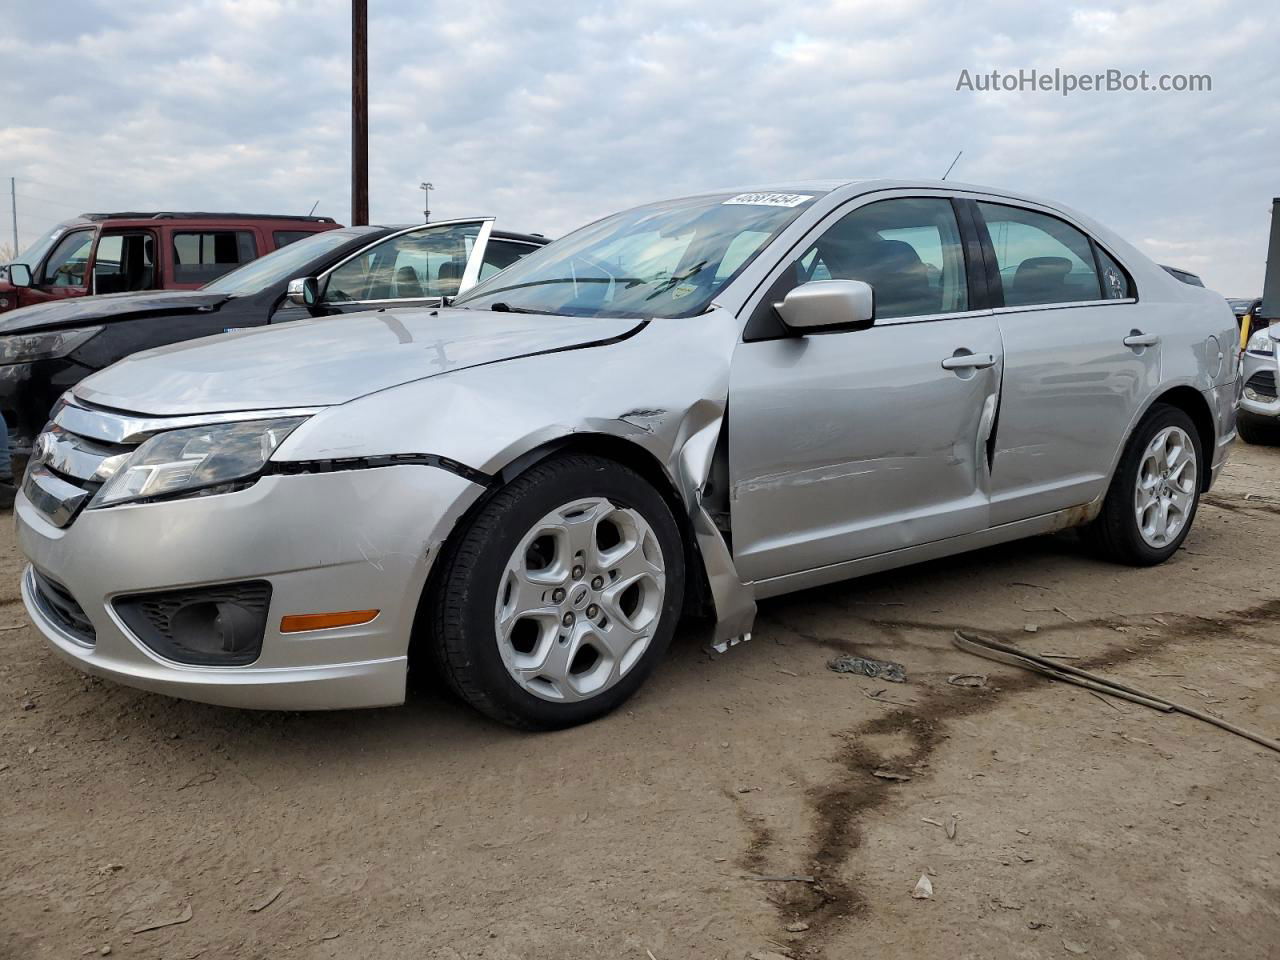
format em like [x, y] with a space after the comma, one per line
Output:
[1259, 404]
[683, 408]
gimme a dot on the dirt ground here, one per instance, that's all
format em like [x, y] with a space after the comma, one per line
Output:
[1083, 826]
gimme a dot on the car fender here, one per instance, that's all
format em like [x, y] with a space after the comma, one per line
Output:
[663, 390]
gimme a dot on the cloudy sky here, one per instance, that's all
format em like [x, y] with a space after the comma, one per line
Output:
[549, 115]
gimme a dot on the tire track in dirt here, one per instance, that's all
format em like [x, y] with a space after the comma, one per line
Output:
[837, 808]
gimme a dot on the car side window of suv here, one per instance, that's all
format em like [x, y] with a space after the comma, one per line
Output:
[422, 265]
[908, 249]
[69, 260]
[1042, 260]
[199, 257]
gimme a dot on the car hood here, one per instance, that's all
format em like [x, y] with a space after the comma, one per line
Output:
[331, 360]
[78, 311]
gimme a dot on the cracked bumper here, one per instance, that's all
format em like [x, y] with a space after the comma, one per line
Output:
[354, 540]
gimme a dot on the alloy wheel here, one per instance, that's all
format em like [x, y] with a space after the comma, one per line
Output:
[579, 599]
[1165, 493]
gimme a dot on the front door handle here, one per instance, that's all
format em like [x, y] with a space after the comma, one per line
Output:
[969, 361]
[1137, 338]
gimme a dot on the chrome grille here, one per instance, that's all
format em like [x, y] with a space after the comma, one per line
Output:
[73, 457]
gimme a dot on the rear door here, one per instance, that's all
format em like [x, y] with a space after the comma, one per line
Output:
[1080, 357]
[848, 444]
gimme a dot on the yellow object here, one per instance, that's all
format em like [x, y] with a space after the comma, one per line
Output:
[300, 622]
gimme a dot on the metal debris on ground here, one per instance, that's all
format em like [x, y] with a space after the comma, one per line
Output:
[951, 827]
[891, 775]
[867, 667]
[991, 649]
[923, 889]
[967, 679]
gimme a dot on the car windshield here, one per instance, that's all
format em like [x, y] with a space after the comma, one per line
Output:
[662, 260]
[280, 265]
[36, 251]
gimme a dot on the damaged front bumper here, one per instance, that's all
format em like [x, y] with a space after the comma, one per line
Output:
[322, 542]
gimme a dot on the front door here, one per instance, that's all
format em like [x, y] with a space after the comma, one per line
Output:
[1080, 357]
[849, 444]
[415, 268]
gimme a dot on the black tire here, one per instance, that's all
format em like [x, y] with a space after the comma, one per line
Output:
[1114, 534]
[1259, 431]
[461, 611]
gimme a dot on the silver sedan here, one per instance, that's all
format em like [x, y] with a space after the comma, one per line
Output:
[683, 408]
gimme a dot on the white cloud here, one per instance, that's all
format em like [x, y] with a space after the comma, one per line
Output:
[549, 117]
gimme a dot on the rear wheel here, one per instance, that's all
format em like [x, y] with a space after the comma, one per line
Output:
[561, 595]
[1152, 500]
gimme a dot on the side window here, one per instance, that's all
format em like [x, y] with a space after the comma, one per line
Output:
[69, 260]
[283, 238]
[908, 249]
[1116, 284]
[500, 254]
[424, 264]
[1041, 258]
[208, 254]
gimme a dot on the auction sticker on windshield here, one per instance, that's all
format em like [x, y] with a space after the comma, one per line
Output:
[770, 199]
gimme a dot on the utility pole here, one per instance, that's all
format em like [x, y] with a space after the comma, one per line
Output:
[426, 189]
[13, 204]
[359, 112]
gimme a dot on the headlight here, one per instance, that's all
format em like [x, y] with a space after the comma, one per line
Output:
[195, 459]
[49, 345]
[1261, 343]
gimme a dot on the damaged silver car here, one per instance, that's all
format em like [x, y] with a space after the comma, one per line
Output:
[686, 407]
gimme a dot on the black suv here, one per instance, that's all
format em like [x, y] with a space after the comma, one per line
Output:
[47, 348]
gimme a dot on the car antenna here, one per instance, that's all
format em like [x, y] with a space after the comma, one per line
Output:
[953, 163]
[317, 203]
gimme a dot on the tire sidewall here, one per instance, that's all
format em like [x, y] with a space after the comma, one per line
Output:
[581, 478]
[1158, 419]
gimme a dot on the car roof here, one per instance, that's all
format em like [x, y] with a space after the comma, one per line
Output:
[854, 186]
[201, 215]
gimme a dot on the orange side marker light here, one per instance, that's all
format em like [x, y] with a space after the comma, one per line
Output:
[301, 622]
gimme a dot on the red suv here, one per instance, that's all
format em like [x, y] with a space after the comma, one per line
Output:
[125, 252]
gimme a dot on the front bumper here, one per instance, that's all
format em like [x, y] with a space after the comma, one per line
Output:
[1259, 395]
[349, 540]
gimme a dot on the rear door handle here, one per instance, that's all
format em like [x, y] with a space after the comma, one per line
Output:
[1139, 339]
[969, 361]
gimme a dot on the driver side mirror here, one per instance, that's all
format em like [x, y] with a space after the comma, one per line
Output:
[828, 305]
[304, 291]
[19, 274]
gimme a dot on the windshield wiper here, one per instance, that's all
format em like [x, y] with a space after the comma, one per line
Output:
[501, 307]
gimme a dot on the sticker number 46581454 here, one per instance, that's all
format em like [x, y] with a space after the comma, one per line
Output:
[770, 199]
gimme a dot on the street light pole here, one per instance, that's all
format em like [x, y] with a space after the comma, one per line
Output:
[13, 201]
[426, 189]
[359, 112]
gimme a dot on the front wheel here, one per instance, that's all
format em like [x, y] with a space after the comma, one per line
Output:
[1154, 494]
[561, 595]
[1259, 431]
